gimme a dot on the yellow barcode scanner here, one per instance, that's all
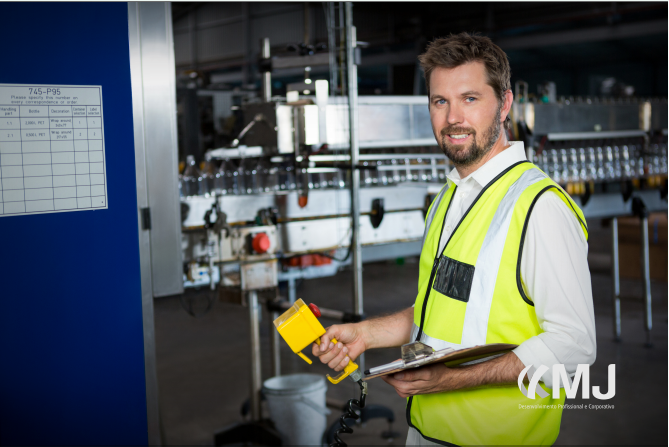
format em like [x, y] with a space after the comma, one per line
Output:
[300, 327]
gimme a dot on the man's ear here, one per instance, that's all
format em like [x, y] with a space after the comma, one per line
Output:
[506, 106]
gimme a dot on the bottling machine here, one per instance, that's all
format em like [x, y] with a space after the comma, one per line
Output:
[305, 193]
[605, 153]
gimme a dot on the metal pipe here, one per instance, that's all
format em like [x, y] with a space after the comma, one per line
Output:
[256, 371]
[276, 346]
[332, 45]
[332, 314]
[615, 274]
[282, 220]
[325, 312]
[344, 157]
[235, 143]
[285, 220]
[645, 265]
[192, 38]
[292, 291]
[342, 48]
[352, 71]
[267, 75]
[307, 25]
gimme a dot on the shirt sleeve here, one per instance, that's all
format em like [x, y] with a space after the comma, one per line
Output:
[556, 278]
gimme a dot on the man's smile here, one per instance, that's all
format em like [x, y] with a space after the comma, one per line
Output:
[458, 138]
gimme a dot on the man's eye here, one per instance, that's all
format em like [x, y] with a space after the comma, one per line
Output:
[470, 99]
[441, 101]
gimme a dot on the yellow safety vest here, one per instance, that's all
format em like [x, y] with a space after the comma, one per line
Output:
[482, 301]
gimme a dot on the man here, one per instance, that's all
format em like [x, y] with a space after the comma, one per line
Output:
[504, 260]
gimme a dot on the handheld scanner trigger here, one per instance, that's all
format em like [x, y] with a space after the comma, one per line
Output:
[350, 368]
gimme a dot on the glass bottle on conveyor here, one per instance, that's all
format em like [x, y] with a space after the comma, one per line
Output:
[220, 179]
[208, 177]
[233, 177]
[191, 179]
[286, 176]
[250, 176]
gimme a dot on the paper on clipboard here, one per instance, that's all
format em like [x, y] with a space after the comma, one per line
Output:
[417, 354]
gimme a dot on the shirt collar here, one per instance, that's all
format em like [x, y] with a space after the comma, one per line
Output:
[495, 166]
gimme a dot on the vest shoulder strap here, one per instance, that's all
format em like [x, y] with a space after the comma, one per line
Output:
[432, 210]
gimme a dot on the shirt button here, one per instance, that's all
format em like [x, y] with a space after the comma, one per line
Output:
[448, 229]
[462, 195]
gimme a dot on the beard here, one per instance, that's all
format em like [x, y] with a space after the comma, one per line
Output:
[464, 156]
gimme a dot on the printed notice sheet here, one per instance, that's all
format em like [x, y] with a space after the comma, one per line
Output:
[52, 149]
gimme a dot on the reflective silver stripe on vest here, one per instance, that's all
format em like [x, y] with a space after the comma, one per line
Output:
[433, 211]
[434, 343]
[475, 327]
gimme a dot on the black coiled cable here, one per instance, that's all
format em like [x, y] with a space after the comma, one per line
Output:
[350, 414]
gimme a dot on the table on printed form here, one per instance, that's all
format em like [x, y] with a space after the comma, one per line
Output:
[52, 151]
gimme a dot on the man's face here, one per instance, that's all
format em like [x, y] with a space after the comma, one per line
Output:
[465, 112]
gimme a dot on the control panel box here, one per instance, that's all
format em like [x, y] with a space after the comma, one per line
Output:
[253, 243]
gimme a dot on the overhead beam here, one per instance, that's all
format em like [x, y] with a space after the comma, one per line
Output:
[301, 61]
[293, 65]
[405, 57]
[583, 35]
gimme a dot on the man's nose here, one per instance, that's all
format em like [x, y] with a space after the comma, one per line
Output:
[454, 115]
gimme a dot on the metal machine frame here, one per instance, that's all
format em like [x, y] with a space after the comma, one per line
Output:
[154, 110]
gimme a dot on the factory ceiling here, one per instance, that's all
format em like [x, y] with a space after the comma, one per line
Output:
[220, 37]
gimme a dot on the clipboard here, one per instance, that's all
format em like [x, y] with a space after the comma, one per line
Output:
[417, 354]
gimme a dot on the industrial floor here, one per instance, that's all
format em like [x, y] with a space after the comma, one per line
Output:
[203, 363]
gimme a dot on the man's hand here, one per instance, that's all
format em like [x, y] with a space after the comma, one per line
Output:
[439, 378]
[350, 344]
[426, 380]
[354, 339]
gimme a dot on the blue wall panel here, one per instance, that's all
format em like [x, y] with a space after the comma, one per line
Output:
[71, 343]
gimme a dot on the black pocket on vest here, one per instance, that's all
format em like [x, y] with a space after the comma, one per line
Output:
[454, 279]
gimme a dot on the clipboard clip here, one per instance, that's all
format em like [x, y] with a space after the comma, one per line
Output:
[415, 351]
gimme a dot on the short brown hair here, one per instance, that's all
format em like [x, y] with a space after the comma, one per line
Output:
[459, 49]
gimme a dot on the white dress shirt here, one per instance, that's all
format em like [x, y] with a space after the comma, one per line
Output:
[554, 270]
